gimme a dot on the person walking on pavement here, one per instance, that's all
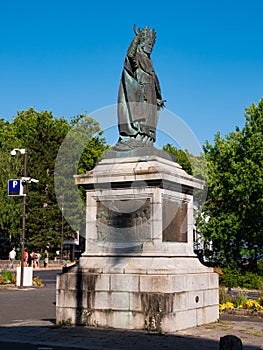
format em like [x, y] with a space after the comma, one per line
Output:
[46, 259]
[38, 256]
[33, 259]
[12, 256]
[26, 258]
[29, 259]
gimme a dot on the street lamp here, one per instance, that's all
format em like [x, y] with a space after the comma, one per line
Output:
[24, 182]
[62, 228]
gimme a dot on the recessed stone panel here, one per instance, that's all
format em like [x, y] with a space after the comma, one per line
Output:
[174, 220]
[124, 221]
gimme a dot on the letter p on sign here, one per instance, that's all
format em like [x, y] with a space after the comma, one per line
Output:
[15, 188]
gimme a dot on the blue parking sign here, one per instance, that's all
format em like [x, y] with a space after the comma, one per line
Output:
[15, 188]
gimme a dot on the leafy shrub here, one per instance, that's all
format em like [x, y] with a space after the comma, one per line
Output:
[7, 277]
[224, 297]
[260, 268]
[234, 278]
[66, 323]
[37, 282]
[240, 301]
[229, 277]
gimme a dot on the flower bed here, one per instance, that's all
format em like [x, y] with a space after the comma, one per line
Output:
[7, 277]
[239, 304]
[243, 312]
[253, 305]
[8, 280]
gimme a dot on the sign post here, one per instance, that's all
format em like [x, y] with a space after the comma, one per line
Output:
[18, 188]
[14, 185]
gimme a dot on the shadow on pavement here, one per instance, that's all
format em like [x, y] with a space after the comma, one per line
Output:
[90, 338]
[28, 317]
[95, 339]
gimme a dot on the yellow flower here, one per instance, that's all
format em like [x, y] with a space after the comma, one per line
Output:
[252, 305]
[226, 305]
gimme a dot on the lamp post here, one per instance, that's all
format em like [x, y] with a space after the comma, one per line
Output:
[62, 228]
[13, 153]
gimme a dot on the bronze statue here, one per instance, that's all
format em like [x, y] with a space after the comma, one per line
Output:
[139, 98]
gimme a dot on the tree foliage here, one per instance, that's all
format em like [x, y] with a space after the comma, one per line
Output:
[233, 214]
[181, 157]
[81, 149]
[42, 134]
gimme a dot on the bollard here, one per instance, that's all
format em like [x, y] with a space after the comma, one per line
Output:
[230, 342]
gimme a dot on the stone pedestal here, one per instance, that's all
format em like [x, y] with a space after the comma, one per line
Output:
[139, 270]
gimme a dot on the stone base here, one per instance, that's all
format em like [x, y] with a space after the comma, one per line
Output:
[138, 270]
[148, 151]
[155, 294]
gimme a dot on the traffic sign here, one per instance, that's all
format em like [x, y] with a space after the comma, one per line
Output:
[15, 188]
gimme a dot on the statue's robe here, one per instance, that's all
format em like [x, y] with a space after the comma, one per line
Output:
[137, 99]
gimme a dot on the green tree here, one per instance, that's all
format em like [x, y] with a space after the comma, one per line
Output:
[41, 134]
[232, 217]
[44, 136]
[81, 149]
[89, 135]
[181, 157]
[10, 207]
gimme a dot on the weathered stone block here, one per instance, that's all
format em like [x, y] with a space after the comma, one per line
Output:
[184, 319]
[213, 282]
[196, 299]
[207, 314]
[180, 301]
[197, 281]
[124, 282]
[111, 300]
[116, 319]
[93, 281]
[162, 283]
[135, 302]
[211, 297]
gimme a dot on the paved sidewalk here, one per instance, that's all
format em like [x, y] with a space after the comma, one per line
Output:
[249, 330]
[45, 333]
[28, 316]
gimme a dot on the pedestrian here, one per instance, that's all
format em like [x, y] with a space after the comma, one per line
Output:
[46, 259]
[38, 256]
[34, 259]
[12, 256]
[29, 259]
[25, 258]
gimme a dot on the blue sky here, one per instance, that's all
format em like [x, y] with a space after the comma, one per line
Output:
[67, 56]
